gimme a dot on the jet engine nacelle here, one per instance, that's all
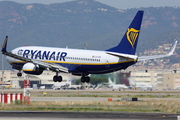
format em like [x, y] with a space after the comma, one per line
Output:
[31, 68]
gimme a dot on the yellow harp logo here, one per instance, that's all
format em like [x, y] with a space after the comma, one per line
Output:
[132, 35]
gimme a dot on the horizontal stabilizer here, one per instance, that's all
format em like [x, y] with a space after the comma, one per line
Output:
[122, 55]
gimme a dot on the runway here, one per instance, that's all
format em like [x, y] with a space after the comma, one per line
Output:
[37, 96]
[91, 99]
[33, 115]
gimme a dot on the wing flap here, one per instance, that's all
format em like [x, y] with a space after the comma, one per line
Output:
[50, 66]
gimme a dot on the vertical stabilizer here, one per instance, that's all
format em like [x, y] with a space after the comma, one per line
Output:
[129, 42]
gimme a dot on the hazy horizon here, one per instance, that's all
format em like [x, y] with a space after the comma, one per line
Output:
[120, 4]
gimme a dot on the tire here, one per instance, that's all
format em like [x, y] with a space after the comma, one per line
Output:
[19, 74]
[59, 78]
[87, 79]
[55, 78]
[83, 79]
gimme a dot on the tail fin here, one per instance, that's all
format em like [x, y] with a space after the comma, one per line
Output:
[129, 41]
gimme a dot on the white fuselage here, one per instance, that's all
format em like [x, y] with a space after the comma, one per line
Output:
[89, 61]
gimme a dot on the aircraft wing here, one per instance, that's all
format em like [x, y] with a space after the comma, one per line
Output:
[142, 58]
[48, 66]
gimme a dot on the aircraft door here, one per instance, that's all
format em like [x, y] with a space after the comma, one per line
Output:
[107, 61]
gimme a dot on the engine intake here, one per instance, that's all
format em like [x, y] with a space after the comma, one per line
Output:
[31, 68]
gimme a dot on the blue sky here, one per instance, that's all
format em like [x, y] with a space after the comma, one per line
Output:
[120, 4]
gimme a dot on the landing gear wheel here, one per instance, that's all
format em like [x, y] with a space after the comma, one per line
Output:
[57, 78]
[19, 74]
[85, 79]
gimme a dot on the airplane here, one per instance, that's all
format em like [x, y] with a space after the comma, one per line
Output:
[143, 86]
[116, 86]
[58, 86]
[35, 59]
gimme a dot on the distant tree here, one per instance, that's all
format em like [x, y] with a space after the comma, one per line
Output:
[78, 82]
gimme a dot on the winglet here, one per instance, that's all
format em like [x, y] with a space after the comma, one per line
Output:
[4, 44]
[173, 48]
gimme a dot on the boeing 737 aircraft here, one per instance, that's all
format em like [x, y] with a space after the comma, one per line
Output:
[35, 59]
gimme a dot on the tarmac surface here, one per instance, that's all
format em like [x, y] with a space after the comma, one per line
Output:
[84, 116]
[36, 115]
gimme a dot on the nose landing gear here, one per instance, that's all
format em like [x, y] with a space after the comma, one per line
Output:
[19, 74]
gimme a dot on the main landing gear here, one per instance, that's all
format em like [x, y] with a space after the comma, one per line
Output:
[19, 74]
[85, 79]
[57, 78]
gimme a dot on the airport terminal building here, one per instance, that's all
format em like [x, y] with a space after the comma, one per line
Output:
[161, 79]
[45, 79]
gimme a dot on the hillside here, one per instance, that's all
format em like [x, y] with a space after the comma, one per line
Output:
[83, 21]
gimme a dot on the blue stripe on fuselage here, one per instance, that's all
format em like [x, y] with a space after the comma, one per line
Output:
[91, 69]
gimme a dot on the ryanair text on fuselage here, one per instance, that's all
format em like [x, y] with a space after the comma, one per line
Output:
[43, 55]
